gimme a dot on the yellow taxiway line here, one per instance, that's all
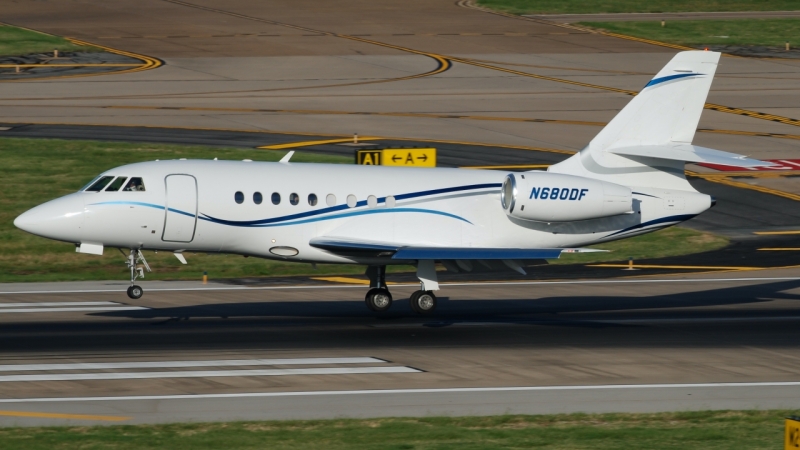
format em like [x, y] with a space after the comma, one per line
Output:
[42, 415]
[655, 266]
[767, 233]
[347, 280]
[510, 167]
[69, 65]
[310, 143]
[779, 249]
[147, 62]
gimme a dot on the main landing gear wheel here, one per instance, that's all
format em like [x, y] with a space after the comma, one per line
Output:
[135, 292]
[423, 302]
[378, 299]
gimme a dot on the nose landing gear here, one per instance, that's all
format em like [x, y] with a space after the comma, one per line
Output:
[135, 292]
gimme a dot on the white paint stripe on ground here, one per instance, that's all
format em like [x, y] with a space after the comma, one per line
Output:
[581, 320]
[47, 304]
[361, 286]
[409, 391]
[88, 308]
[176, 364]
[206, 374]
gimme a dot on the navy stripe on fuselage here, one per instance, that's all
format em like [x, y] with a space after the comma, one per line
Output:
[337, 208]
[294, 218]
[679, 218]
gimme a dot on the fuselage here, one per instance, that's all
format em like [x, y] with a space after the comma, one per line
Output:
[273, 210]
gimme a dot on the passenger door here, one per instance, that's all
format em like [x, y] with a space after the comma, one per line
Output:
[180, 208]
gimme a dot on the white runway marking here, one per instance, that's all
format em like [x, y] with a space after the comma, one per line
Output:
[409, 391]
[207, 374]
[360, 286]
[88, 308]
[35, 307]
[581, 320]
[48, 304]
[178, 364]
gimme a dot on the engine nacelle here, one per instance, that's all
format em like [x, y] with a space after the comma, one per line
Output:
[554, 197]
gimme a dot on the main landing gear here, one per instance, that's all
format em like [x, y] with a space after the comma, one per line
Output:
[135, 292]
[423, 301]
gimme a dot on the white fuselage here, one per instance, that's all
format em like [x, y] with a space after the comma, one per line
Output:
[419, 207]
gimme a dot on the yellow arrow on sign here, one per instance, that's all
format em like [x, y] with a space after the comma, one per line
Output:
[409, 157]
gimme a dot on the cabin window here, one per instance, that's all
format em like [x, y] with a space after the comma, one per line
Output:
[276, 198]
[330, 200]
[258, 198]
[239, 197]
[99, 184]
[390, 202]
[312, 199]
[135, 184]
[372, 201]
[294, 198]
[351, 201]
[116, 184]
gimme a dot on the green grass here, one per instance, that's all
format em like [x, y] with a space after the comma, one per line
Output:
[33, 171]
[698, 33]
[673, 241]
[18, 42]
[631, 6]
[741, 430]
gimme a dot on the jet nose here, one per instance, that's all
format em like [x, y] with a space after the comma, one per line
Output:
[60, 219]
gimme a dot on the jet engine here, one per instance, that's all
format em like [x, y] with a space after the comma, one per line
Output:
[553, 197]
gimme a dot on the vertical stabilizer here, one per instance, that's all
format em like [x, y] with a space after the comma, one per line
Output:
[665, 113]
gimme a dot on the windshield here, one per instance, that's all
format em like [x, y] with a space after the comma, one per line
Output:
[99, 184]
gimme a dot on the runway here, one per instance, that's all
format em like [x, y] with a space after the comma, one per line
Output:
[189, 352]
[486, 90]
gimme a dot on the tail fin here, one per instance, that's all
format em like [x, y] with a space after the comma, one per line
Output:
[649, 141]
[667, 109]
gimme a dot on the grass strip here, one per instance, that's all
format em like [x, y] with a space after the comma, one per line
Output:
[634, 6]
[708, 430]
[33, 171]
[700, 33]
[18, 42]
[674, 241]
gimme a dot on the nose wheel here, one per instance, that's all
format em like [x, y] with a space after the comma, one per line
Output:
[135, 292]
[423, 302]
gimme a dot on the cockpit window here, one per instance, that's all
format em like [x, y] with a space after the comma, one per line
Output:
[116, 184]
[136, 184]
[99, 184]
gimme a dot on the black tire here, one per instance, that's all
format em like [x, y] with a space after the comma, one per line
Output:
[135, 292]
[412, 301]
[378, 300]
[423, 302]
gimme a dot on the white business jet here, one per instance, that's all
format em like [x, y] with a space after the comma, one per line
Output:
[628, 181]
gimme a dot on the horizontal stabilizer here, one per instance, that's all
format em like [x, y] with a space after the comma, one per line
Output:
[410, 252]
[690, 153]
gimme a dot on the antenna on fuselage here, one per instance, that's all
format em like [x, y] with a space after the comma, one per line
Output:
[287, 157]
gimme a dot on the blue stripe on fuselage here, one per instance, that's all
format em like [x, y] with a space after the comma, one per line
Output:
[293, 219]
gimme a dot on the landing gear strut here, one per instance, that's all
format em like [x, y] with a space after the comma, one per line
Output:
[378, 297]
[135, 292]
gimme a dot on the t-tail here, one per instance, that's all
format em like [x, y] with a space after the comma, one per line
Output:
[650, 140]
